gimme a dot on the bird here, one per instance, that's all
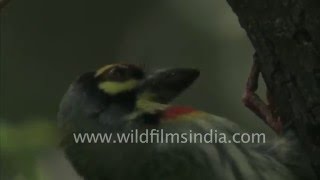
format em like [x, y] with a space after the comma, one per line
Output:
[121, 98]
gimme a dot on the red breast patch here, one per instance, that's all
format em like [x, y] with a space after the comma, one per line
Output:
[175, 111]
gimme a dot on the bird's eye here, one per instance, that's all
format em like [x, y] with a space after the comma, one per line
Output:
[116, 72]
[171, 75]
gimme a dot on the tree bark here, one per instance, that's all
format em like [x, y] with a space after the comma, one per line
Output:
[286, 37]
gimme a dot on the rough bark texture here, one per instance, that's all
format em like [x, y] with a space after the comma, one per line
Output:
[286, 37]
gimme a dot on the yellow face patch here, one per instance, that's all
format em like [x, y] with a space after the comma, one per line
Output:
[145, 105]
[147, 95]
[113, 88]
[150, 106]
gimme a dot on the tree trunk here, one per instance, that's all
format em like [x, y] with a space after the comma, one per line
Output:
[286, 37]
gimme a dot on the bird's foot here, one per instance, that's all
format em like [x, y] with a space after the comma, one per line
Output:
[257, 105]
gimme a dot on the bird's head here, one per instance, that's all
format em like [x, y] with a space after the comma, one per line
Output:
[115, 79]
[111, 92]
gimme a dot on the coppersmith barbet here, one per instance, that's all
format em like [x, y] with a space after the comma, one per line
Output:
[119, 98]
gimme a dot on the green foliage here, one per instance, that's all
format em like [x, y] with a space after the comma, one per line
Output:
[22, 145]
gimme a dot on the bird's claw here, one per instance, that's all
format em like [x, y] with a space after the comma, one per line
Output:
[256, 105]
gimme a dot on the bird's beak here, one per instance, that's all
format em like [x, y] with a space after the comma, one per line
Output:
[164, 85]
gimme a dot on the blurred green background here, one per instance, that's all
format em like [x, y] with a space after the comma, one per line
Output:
[46, 44]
